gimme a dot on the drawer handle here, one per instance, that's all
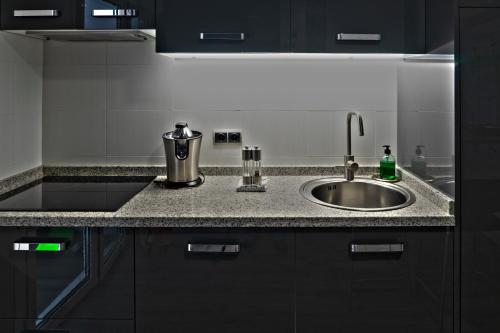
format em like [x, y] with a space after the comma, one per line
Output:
[27, 245]
[213, 248]
[114, 12]
[377, 248]
[234, 36]
[359, 37]
[36, 13]
[45, 331]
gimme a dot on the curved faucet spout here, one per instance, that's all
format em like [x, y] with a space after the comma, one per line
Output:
[360, 126]
[350, 167]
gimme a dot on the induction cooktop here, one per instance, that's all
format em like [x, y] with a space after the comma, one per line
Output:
[67, 194]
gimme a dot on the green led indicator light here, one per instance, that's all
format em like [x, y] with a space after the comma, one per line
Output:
[48, 247]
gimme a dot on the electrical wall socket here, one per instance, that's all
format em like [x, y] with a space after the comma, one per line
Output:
[227, 136]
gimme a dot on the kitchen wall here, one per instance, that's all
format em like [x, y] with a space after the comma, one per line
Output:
[426, 116]
[21, 64]
[109, 103]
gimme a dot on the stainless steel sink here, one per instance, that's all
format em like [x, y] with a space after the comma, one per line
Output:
[360, 194]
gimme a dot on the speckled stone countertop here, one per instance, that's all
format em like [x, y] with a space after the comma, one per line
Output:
[217, 204]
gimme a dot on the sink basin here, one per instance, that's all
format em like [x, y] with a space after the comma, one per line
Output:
[361, 194]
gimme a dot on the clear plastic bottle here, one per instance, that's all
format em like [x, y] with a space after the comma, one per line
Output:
[247, 170]
[419, 163]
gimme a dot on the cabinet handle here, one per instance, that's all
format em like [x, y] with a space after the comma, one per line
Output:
[377, 248]
[213, 248]
[39, 246]
[114, 12]
[359, 37]
[45, 331]
[36, 13]
[235, 36]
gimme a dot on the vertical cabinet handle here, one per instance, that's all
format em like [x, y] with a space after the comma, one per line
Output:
[358, 37]
[230, 36]
[377, 248]
[32, 245]
[36, 13]
[213, 248]
[114, 12]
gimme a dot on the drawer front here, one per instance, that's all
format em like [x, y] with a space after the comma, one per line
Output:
[67, 326]
[401, 280]
[67, 273]
[41, 14]
[214, 281]
[223, 26]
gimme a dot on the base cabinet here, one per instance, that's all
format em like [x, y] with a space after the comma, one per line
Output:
[374, 281]
[67, 326]
[351, 280]
[214, 282]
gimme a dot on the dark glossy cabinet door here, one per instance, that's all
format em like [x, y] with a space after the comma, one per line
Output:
[214, 281]
[223, 26]
[401, 281]
[67, 326]
[479, 125]
[478, 3]
[120, 14]
[41, 14]
[323, 277]
[351, 26]
[374, 280]
[440, 26]
[55, 273]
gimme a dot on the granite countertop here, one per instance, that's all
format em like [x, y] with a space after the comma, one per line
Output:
[217, 204]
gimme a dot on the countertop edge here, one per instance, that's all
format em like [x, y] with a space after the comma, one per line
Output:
[261, 222]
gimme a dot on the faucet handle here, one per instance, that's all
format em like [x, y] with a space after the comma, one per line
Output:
[353, 166]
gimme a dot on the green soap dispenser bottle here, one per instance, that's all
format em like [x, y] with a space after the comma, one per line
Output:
[388, 165]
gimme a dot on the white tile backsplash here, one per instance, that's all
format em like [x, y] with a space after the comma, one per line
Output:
[21, 82]
[426, 112]
[246, 84]
[137, 87]
[80, 132]
[110, 104]
[74, 88]
[136, 133]
[126, 53]
[67, 54]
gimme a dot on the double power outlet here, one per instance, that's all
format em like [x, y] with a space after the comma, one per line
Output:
[227, 136]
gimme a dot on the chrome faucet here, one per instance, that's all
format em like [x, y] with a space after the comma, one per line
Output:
[350, 166]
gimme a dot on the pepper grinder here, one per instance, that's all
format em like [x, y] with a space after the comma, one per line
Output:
[257, 166]
[247, 157]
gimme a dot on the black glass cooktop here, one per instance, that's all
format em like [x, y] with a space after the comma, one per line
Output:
[66, 194]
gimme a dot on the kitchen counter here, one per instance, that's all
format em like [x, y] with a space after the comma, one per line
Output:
[217, 204]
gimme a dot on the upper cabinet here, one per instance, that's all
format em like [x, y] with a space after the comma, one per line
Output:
[41, 14]
[440, 26]
[77, 14]
[223, 26]
[354, 26]
[310, 26]
[119, 14]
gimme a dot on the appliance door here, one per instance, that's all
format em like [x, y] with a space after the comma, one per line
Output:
[56, 269]
[119, 14]
[61, 273]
